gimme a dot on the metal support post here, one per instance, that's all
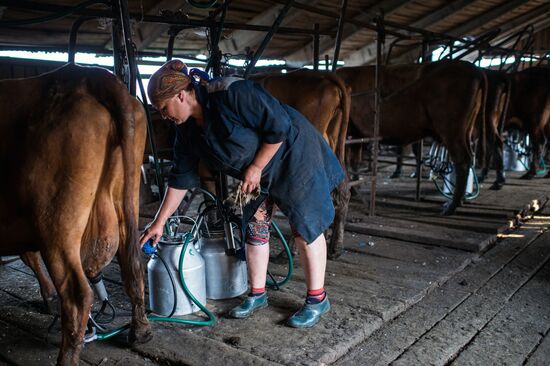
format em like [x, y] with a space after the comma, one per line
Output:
[215, 54]
[420, 144]
[268, 37]
[380, 37]
[327, 60]
[120, 7]
[316, 47]
[339, 34]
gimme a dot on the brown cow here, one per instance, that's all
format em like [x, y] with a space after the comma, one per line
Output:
[529, 110]
[72, 192]
[324, 100]
[498, 95]
[442, 103]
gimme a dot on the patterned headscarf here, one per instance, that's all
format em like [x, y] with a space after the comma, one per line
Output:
[169, 80]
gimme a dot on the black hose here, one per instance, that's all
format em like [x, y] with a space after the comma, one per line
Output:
[201, 4]
[47, 18]
[173, 285]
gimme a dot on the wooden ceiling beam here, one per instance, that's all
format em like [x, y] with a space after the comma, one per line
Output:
[367, 54]
[477, 22]
[304, 54]
[506, 29]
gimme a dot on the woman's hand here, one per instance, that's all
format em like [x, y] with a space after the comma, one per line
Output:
[154, 232]
[251, 178]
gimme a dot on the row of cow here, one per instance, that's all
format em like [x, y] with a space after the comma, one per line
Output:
[72, 193]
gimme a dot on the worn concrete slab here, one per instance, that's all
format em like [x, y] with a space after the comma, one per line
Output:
[516, 330]
[541, 353]
[387, 344]
[422, 233]
[443, 342]
[15, 345]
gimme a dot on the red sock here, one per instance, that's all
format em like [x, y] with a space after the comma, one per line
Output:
[256, 291]
[315, 296]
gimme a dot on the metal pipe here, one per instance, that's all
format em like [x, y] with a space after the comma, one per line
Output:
[361, 140]
[380, 35]
[268, 37]
[316, 47]
[23, 4]
[339, 34]
[151, 137]
[326, 62]
[72, 37]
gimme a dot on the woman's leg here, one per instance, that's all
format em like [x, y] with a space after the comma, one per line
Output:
[314, 261]
[257, 257]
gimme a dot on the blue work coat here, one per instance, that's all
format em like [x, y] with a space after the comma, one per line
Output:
[240, 115]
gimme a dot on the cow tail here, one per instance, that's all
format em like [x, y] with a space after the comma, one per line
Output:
[345, 106]
[110, 92]
[483, 120]
[504, 115]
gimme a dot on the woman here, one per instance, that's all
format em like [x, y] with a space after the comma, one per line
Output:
[236, 127]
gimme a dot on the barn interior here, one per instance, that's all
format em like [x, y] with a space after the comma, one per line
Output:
[408, 286]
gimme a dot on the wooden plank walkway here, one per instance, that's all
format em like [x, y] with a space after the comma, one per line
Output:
[411, 287]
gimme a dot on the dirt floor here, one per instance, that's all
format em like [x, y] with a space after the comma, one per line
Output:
[411, 288]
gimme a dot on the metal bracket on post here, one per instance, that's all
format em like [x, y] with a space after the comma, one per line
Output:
[380, 38]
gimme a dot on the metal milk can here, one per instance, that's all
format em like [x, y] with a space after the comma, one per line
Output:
[161, 294]
[226, 275]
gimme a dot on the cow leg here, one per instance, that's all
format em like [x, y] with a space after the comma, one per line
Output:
[461, 171]
[47, 289]
[341, 198]
[460, 156]
[499, 165]
[418, 155]
[140, 330]
[76, 297]
[399, 163]
[537, 140]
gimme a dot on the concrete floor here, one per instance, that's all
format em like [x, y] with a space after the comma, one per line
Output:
[411, 288]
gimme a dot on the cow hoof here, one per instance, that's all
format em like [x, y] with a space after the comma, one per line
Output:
[528, 175]
[395, 175]
[52, 305]
[496, 186]
[448, 209]
[135, 338]
[481, 179]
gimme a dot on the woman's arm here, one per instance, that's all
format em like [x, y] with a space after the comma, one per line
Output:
[253, 174]
[170, 203]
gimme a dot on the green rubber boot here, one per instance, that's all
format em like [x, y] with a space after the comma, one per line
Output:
[249, 306]
[309, 314]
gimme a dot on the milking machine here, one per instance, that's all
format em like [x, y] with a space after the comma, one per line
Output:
[516, 151]
[441, 167]
[187, 268]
